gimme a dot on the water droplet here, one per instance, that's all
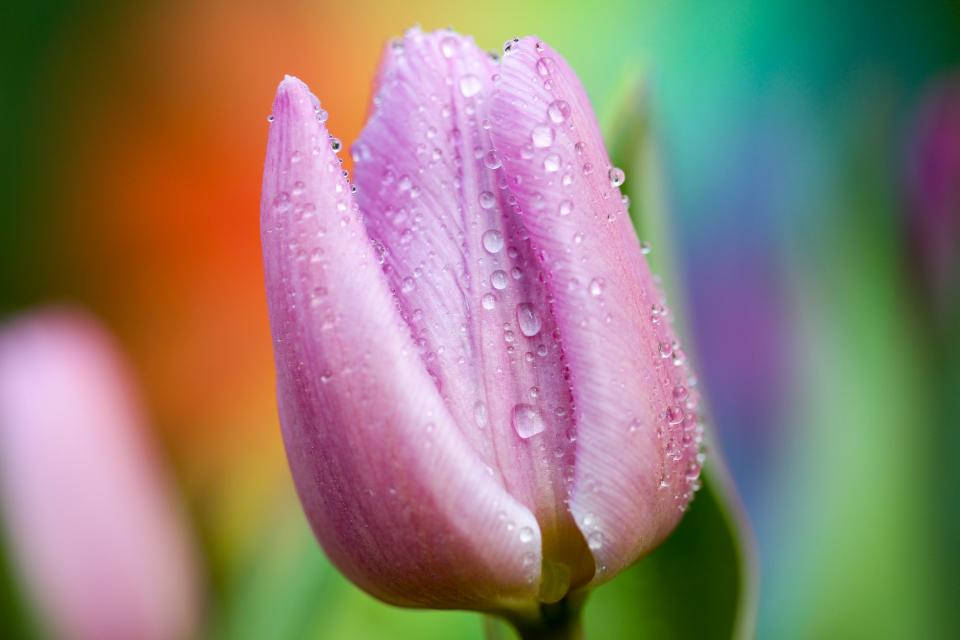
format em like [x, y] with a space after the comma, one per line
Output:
[270, 118]
[527, 421]
[492, 160]
[595, 540]
[487, 199]
[596, 287]
[408, 285]
[492, 240]
[449, 46]
[322, 115]
[551, 163]
[480, 414]
[499, 280]
[645, 248]
[526, 535]
[674, 415]
[617, 176]
[565, 207]
[335, 144]
[542, 136]
[528, 320]
[543, 66]
[587, 168]
[680, 392]
[558, 111]
[470, 85]
[488, 301]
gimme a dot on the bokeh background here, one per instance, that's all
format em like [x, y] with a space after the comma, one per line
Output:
[808, 157]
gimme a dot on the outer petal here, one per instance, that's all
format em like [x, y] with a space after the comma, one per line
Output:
[100, 544]
[397, 497]
[439, 209]
[636, 433]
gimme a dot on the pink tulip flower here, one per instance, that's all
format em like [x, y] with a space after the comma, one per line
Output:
[95, 536]
[483, 402]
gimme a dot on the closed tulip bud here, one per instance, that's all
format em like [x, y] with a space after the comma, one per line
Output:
[483, 402]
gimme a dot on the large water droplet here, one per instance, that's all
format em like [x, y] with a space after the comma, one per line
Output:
[492, 160]
[470, 85]
[617, 176]
[480, 414]
[528, 319]
[558, 111]
[527, 421]
[543, 66]
[487, 199]
[596, 286]
[449, 46]
[542, 136]
[492, 240]
[551, 163]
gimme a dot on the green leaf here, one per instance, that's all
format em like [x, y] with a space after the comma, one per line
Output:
[699, 583]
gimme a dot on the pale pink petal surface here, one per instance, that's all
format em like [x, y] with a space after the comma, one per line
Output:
[398, 496]
[636, 431]
[439, 209]
[96, 533]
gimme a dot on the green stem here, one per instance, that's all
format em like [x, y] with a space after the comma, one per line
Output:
[557, 621]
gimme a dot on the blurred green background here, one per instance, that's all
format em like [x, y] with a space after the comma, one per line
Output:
[786, 139]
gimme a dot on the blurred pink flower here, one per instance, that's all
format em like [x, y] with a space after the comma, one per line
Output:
[483, 401]
[97, 538]
[933, 181]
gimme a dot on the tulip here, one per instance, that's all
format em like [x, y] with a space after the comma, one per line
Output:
[483, 402]
[98, 542]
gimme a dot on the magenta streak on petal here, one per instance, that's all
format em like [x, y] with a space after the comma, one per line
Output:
[634, 431]
[401, 500]
[440, 211]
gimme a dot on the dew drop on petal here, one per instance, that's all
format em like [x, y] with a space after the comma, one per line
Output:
[488, 301]
[542, 136]
[480, 413]
[492, 240]
[526, 535]
[498, 279]
[492, 160]
[528, 320]
[543, 66]
[527, 421]
[470, 85]
[565, 207]
[558, 111]
[449, 46]
[596, 287]
[487, 199]
[617, 176]
[551, 163]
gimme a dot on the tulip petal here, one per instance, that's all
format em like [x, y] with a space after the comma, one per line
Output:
[397, 496]
[438, 207]
[636, 458]
[100, 546]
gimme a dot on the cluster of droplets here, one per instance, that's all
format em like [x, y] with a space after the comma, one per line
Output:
[679, 427]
